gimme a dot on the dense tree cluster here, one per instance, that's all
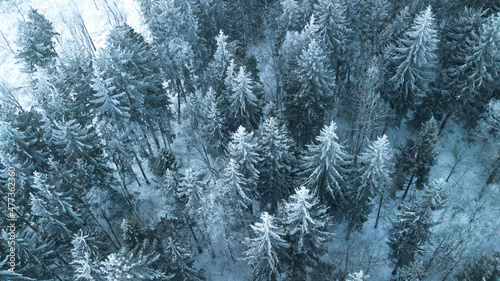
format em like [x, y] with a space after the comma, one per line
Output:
[139, 159]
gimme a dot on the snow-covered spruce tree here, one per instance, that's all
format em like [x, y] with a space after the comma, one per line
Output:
[181, 262]
[264, 250]
[334, 30]
[75, 142]
[217, 218]
[408, 233]
[415, 60]
[305, 222]
[376, 167]
[213, 126]
[36, 42]
[217, 68]
[244, 105]
[44, 238]
[305, 109]
[290, 18]
[235, 191]
[410, 229]
[243, 148]
[390, 34]
[479, 68]
[368, 18]
[276, 164]
[24, 139]
[75, 73]
[325, 168]
[191, 188]
[134, 69]
[489, 129]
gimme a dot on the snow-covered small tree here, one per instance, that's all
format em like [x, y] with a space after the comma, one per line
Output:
[325, 168]
[276, 164]
[243, 148]
[244, 105]
[305, 221]
[235, 183]
[416, 61]
[81, 258]
[192, 189]
[376, 165]
[264, 250]
[213, 124]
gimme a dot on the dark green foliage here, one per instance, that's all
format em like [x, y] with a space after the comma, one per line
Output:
[162, 162]
[36, 41]
[416, 157]
[426, 156]
[484, 268]
[410, 230]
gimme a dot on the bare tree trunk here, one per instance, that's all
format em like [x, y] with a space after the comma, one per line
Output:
[445, 120]
[140, 167]
[378, 212]
[407, 188]
[111, 228]
[451, 172]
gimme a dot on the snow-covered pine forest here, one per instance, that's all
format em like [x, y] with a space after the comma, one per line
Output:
[336, 140]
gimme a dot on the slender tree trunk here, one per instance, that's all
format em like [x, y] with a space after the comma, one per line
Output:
[148, 145]
[452, 169]
[395, 271]
[162, 132]
[107, 234]
[434, 255]
[494, 172]
[378, 211]
[179, 91]
[111, 228]
[445, 120]
[140, 167]
[407, 188]
[190, 225]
